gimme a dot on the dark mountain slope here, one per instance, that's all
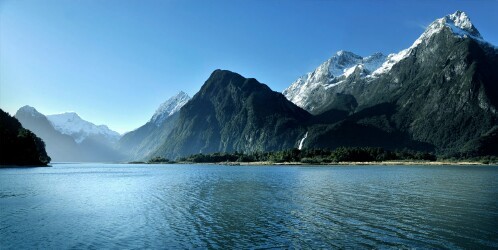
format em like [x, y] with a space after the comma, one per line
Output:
[144, 141]
[232, 113]
[140, 143]
[19, 146]
[444, 94]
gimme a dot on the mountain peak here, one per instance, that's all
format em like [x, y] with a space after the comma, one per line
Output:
[69, 116]
[460, 19]
[460, 24]
[181, 94]
[221, 73]
[220, 80]
[331, 73]
[70, 123]
[28, 110]
[343, 53]
[169, 107]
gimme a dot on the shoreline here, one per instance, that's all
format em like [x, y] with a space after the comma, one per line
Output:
[383, 163]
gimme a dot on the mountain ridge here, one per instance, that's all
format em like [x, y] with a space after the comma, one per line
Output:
[70, 123]
[313, 94]
[143, 141]
[63, 147]
[442, 91]
[233, 113]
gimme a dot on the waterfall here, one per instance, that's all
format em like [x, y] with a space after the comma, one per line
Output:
[302, 140]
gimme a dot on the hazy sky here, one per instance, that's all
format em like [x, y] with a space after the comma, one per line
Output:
[115, 62]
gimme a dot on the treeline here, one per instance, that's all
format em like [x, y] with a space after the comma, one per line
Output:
[485, 159]
[313, 156]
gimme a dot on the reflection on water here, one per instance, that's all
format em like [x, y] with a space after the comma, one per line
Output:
[183, 206]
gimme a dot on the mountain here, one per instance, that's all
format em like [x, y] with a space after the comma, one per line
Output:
[71, 124]
[440, 94]
[19, 146]
[169, 107]
[62, 147]
[143, 141]
[310, 91]
[232, 113]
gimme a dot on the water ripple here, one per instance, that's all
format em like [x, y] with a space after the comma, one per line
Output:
[179, 206]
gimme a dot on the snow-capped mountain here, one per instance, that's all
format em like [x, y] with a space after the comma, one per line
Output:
[329, 74]
[458, 22]
[70, 123]
[61, 143]
[144, 140]
[439, 94]
[169, 107]
[313, 91]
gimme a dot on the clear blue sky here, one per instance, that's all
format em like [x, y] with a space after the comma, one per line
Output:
[115, 61]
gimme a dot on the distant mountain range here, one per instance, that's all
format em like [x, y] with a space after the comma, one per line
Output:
[71, 124]
[439, 95]
[69, 138]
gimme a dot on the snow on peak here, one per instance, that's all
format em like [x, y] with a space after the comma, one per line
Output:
[458, 23]
[331, 73]
[72, 124]
[169, 107]
[461, 21]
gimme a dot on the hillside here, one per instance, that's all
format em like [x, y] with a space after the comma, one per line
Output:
[20, 146]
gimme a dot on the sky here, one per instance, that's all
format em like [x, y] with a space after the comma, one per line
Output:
[115, 61]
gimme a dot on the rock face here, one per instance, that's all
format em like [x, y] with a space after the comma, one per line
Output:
[439, 94]
[311, 91]
[169, 108]
[18, 145]
[140, 143]
[65, 147]
[233, 113]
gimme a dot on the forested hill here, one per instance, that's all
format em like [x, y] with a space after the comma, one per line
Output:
[20, 146]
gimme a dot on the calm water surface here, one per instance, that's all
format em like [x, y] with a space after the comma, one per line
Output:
[195, 206]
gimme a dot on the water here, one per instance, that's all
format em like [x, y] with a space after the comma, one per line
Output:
[195, 206]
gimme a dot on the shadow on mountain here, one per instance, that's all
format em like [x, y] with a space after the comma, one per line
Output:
[484, 145]
[351, 134]
[371, 127]
[329, 117]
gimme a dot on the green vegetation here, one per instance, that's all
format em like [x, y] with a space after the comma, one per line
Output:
[232, 113]
[314, 156]
[19, 146]
[159, 159]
